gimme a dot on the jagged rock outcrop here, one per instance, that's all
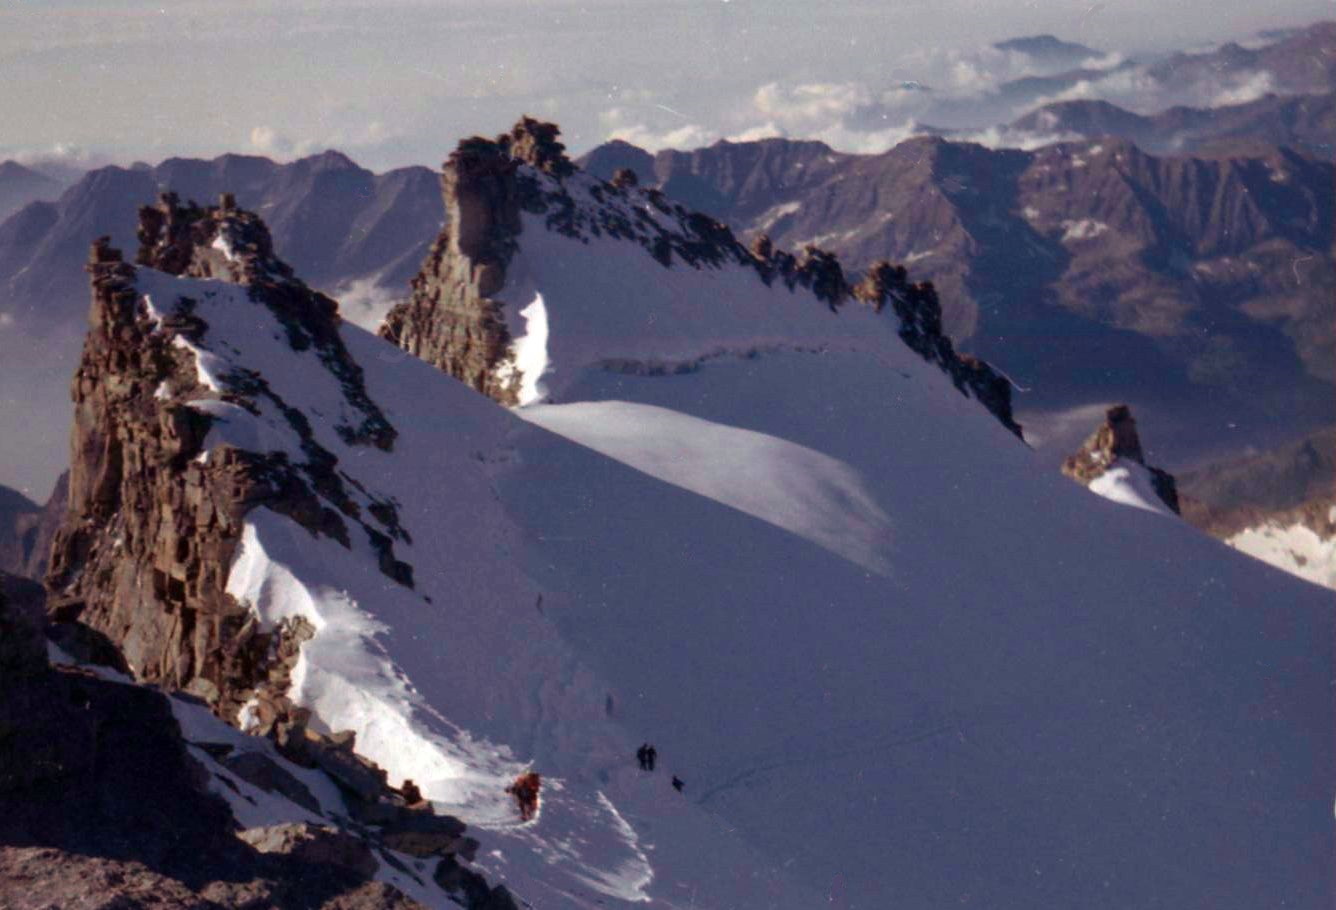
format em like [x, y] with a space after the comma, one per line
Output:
[455, 321]
[145, 547]
[920, 314]
[156, 508]
[1116, 440]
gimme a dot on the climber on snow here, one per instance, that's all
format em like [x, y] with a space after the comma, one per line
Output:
[525, 790]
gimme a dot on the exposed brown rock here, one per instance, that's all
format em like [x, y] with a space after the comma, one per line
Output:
[920, 314]
[1113, 440]
[144, 549]
[315, 844]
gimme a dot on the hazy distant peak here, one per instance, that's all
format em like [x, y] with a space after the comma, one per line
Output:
[1048, 48]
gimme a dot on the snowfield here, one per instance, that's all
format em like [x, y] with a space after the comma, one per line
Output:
[895, 660]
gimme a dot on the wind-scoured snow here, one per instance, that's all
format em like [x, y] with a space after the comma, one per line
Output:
[790, 486]
[895, 660]
[1129, 483]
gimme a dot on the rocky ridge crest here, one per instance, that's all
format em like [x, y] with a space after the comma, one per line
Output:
[145, 546]
[454, 320]
[139, 565]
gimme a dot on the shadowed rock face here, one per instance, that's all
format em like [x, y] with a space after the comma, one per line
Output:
[143, 553]
[82, 824]
[1116, 439]
[1292, 484]
[36, 532]
[455, 321]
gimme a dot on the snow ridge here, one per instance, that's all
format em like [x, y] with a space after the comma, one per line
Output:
[626, 274]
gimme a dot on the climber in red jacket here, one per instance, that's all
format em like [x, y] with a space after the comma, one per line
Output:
[525, 790]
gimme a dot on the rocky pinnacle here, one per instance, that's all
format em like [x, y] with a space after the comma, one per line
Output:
[1116, 439]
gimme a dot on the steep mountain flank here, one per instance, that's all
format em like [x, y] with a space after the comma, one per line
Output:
[1299, 62]
[26, 530]
[1113, 449]
[155, 508]
[21, 185]
[455, 321]
[1252, 129]
[1275, 480]
[1277, 505]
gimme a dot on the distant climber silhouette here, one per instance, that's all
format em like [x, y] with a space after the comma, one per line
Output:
[678, 783]
[651, 756]
[525, 790]
[642, 756]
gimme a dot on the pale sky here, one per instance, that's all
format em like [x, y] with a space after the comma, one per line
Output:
[400, 82]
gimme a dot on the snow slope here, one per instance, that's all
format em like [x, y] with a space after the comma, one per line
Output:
[1129, 483]
[895, 661]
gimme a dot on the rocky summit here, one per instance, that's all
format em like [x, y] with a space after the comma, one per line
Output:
[454, 320]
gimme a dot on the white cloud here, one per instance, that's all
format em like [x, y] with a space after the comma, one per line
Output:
[997, 137]
[619, 123]
[1243, 89]
[683, 137]
[364, 301]
[769, 130]
[265, 140]
[811, 103]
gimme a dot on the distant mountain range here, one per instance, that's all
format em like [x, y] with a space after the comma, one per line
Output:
[1300, 61]
[339, 220]
[1304, 122]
